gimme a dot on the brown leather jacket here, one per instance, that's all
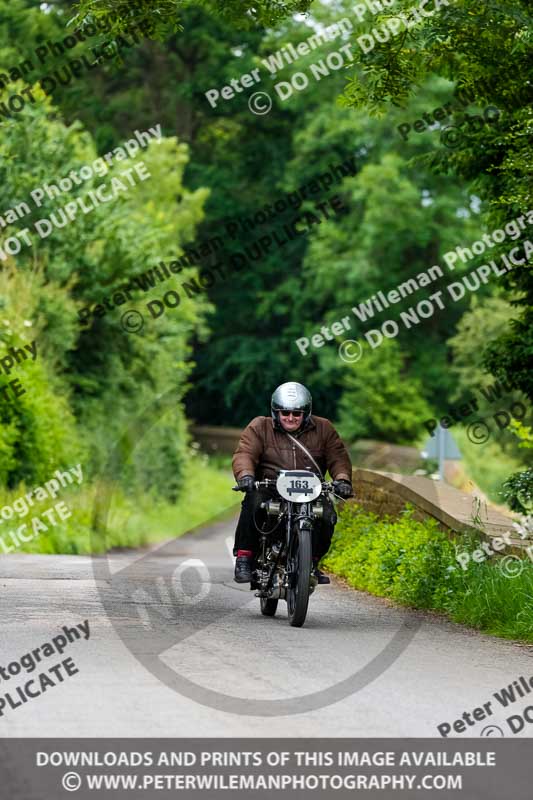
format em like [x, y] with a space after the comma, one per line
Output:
[263, 450]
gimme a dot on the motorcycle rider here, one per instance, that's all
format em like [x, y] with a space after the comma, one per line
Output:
[265, 447]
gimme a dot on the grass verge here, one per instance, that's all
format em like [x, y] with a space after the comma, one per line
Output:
[414, 563]
[132, 522]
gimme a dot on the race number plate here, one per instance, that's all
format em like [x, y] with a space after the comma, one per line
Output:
[299, 486]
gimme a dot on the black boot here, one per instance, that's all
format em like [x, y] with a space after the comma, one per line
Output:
[319, 575]
[243, 569]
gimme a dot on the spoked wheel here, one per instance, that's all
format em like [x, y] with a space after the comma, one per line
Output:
[300, 568]
[268, 606]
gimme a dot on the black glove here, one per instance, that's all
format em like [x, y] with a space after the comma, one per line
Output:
[246, 484]
[343, 488]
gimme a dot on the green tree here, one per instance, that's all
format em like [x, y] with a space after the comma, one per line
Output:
[480, 324]
[380, 399]
[483, 49]
[104, 376]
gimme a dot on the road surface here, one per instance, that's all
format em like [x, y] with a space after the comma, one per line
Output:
[176, 648]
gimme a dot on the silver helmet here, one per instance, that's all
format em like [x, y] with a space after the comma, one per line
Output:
[291, 396]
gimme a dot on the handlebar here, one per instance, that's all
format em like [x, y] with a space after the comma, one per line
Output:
[257, 484]
[271, 482]
[327, 486]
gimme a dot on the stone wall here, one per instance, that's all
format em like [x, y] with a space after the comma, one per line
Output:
[215, 439]
[386, 493]
[382, 500]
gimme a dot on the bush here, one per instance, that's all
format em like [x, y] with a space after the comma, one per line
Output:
[38, 431]
[518, 491]
[415, 563]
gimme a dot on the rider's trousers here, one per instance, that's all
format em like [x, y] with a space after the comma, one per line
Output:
[253, 517]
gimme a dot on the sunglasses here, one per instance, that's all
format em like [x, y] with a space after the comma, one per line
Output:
[296, 414]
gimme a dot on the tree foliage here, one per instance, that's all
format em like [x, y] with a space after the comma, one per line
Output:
[485, 49]
[408, 201]
[90, 381]
[165, 16]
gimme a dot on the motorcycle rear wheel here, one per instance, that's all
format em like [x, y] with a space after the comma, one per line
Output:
[268, 606]
[298, 592]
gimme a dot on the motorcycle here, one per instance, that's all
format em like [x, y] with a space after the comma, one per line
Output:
[282, 568]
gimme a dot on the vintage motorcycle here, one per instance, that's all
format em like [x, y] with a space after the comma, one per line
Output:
[282, 567]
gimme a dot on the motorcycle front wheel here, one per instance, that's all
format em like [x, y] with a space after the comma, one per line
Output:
[298, 590]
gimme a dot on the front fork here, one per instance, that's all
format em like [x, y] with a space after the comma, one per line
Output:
[296, 522]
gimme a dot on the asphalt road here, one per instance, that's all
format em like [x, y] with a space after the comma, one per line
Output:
[176, 648]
